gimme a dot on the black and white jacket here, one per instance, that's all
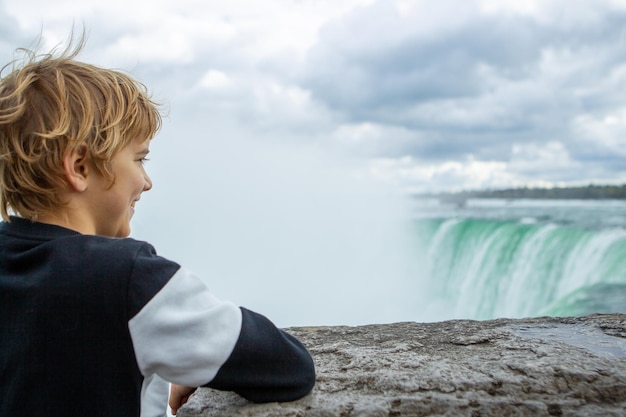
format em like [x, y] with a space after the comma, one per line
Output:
[95, 326]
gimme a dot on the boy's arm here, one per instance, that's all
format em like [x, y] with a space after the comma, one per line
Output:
[267, 364]
[183, 333]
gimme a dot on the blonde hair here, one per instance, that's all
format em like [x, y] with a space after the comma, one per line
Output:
[51, 105]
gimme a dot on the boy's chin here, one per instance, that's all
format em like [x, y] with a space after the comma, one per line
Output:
[123, 231]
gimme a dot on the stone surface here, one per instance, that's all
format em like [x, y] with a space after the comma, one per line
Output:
[530, 367]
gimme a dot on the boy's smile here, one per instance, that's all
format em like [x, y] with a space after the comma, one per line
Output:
[112, 206]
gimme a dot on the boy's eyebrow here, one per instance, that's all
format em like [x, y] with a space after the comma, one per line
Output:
[143, 151]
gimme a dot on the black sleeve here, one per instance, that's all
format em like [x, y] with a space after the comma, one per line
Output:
[267, 364]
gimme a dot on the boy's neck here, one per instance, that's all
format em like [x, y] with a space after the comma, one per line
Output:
[67, 220]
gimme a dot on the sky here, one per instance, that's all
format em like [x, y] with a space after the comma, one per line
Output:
[292, 126]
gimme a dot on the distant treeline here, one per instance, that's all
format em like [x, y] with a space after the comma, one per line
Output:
[583, 193]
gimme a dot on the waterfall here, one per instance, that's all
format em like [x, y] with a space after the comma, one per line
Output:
[488, 268]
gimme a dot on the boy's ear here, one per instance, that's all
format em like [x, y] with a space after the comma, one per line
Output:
[76, 168]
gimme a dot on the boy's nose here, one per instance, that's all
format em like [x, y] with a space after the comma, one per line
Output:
[148, 184]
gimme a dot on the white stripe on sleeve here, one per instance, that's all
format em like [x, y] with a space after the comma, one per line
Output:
[184, 333]
[154, 396]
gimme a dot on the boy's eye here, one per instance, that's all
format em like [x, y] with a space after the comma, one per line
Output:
[143, 160]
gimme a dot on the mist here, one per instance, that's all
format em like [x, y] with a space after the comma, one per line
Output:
[281, 227]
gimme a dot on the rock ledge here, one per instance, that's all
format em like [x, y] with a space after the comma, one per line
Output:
[529, 367]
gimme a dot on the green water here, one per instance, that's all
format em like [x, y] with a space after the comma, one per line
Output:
[503, 259]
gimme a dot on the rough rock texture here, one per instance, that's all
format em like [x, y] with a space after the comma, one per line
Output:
[530, 367]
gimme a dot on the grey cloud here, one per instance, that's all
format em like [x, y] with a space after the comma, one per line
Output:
[354, 73]
[414, 68]
[475, 86]
[11, 36]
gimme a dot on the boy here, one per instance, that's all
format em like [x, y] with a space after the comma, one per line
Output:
[93, 323]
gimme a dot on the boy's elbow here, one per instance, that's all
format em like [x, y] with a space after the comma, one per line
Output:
[267, 364]
[307, 379]
[301, 384]
[298, 385]
[306, 373]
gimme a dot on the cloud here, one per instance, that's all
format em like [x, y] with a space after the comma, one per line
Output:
[476, 79]
[11, 35]
[216, 80]
[419, 176]
[451, 81]
[379, 58]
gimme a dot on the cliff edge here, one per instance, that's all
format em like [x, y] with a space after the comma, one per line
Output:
[528, 367]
